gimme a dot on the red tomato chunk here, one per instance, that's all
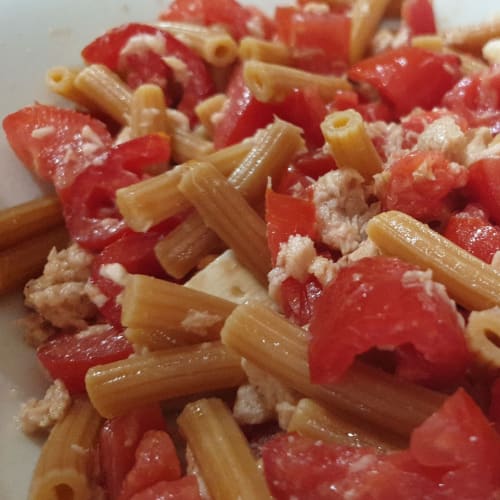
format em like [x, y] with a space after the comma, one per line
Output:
[185, 488]
[386, 303]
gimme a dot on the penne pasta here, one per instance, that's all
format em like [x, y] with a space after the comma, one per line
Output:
[228, 214]
[221, 452]
[187, 146]
[116, 388]
[273, 344]
[273, 82]
[471, 282]
[483, 337]
[350, 145]
[264, 50]
[472, 39]
[154, 339]
[29, 219]
[25, 260]
[62, 470]
[148, 111]
[313, 420]
[207, 111]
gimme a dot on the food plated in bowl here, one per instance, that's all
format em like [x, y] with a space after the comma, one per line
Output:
[345, 188]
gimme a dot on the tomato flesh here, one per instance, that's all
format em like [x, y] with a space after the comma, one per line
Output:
[185, 488]
[418, 15]
[384, 302]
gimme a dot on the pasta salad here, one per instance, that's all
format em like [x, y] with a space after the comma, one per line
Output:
[270, 267]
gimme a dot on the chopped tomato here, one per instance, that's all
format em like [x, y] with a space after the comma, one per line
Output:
[370, 111]
[118, 442]
[298, 298]
[471, 230]
[185, 488]
[483, 186]
[238, 19]
[409, 77]
[494, 410]
[135, 252]
[286, 216]
[386, 303]
[418, 15]
[107, 49]
[155, 460]
[243, 114]
[69, 356]
[454, 454]
[421, 184]
[56, 144]
[477, 99]
[320, 39]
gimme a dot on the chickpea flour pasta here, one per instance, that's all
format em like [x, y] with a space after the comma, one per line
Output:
[270, 267]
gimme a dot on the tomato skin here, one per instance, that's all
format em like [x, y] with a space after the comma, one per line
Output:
[68, 356]
[155, 460]
[421, 184]
[298, 298]
[471, 230]
[409, 77]
[483, 186]
[374, 302]
[477, 99]
[63, 152]
[118, 441]
[418, 15]
[494, 410]
[185, 488]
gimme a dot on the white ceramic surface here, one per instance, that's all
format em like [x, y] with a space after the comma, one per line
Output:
[35, 35]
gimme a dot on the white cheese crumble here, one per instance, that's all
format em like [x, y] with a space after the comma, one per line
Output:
[42, 132]
[199, 322]
[142, 43]
[114, 272]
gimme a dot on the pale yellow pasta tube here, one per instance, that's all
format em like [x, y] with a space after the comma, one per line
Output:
[273, 82]
[155, 339]
[116, 388]
[229, 215]
[153, 303]
[483, 337]
[365, 18]
[221, 451]
[148, 110]
[264, 50]
[273, 344]
[215, 45]
[26, 259]
[207, 110]
[28, 219]
[472, 38]
[187, 146]
[471, 282]
[62, 471]
[313, 420]
[106, 90]
[350, 145]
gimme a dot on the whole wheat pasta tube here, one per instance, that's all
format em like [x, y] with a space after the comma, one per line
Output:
[313, 420]
[153, 303]
[273, 82]
[350, 145]
[472, 38]
[264, 50]
[148, 111]
[365, 18]
[273, 149]
[229, 215]
[26, 259]
[62, 471]
[280, 348]
[207, 109]
[222, 452]
[116, 388]
[483, 337]
[187, 145]
[155, 339]
[471, 282]
[213, 44]
[105, 89]
[28, 219]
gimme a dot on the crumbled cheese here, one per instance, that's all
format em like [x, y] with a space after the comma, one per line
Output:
[178, 120]
[255, 27]
[36, 329]
[59, 295]
[143, 43]
[179, 67]
[114, 272]
[296, 255]
[276, 277]
[90, 135]
[481, 145]
[95, 295]
[41, 415]
[42, 132]
[391, 135]
[341, 209]
[491, 51]
[363, 463]
[250, 406]
[316, 8]
[325, 270]
[93, 330]
[199, 322]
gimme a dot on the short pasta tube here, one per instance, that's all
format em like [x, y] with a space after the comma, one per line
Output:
[316, 422]
[207, 110]
[350, 145]
[273, 82]
[483, 337]
[148, 111]
[264, 50]
[273, 344]
[118, 387]
[153, 303]
[229, 215]
[222, 452]
[469, 281]
[62, 471]
[155, 339]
